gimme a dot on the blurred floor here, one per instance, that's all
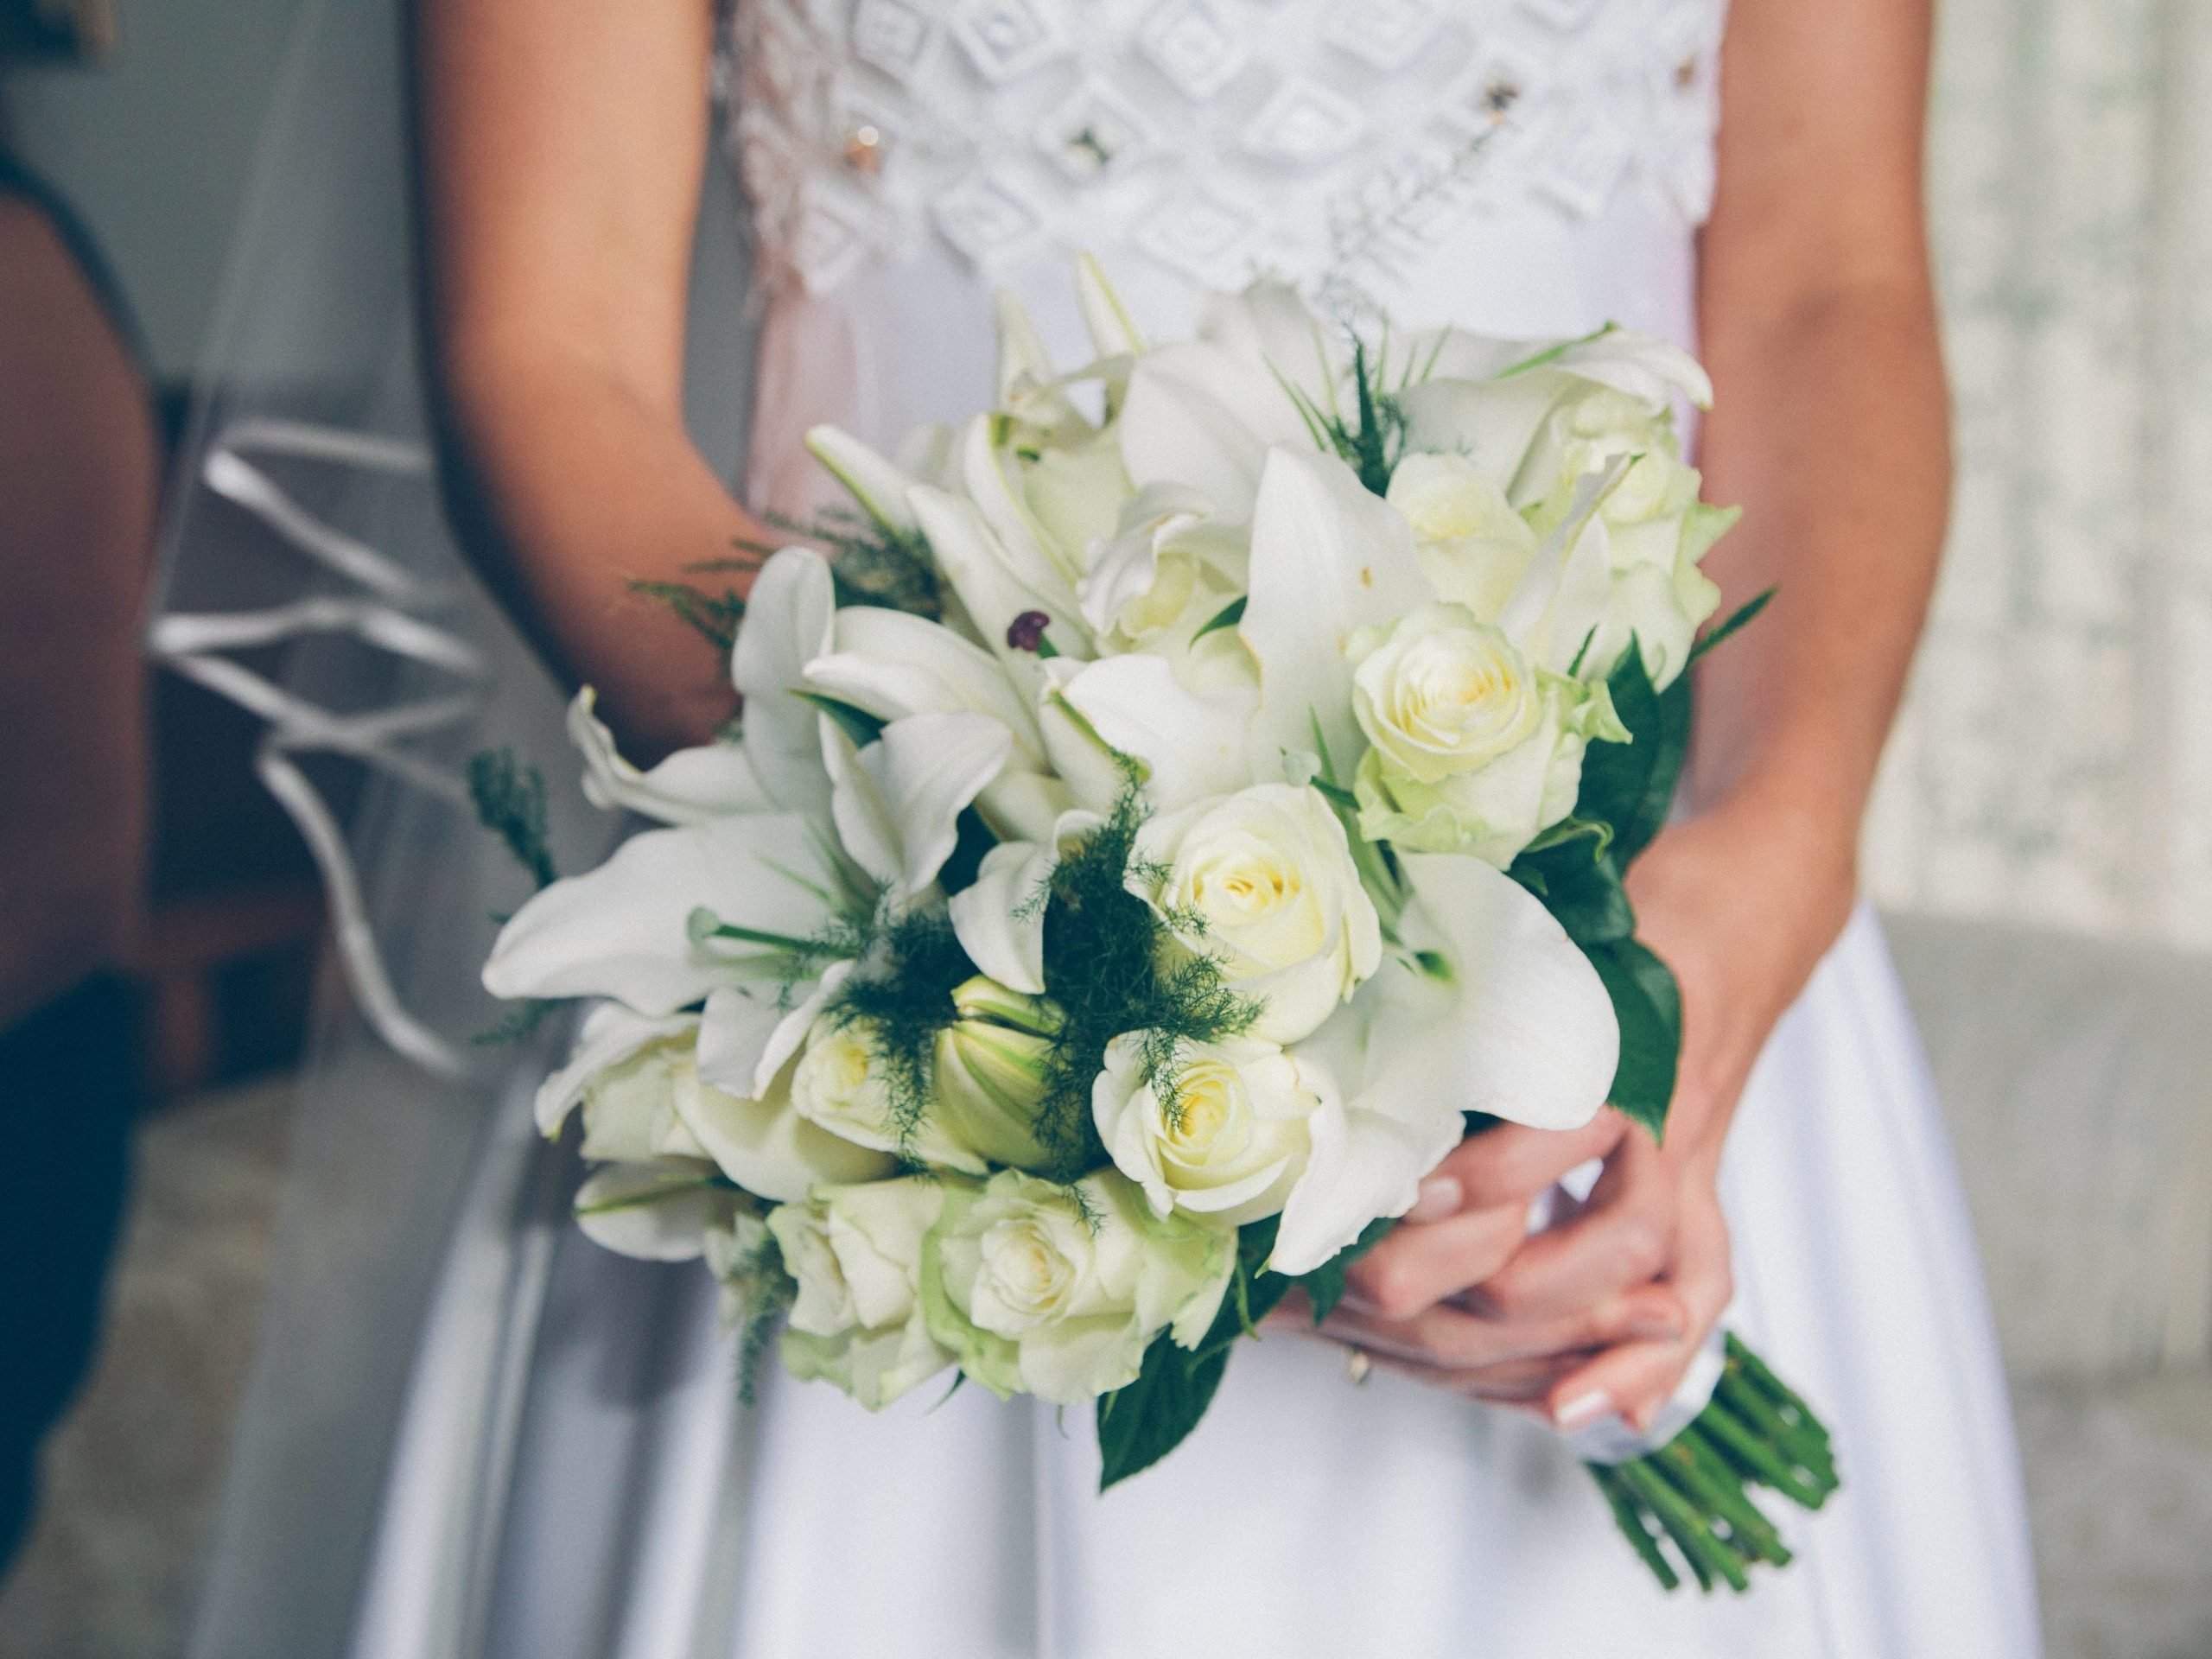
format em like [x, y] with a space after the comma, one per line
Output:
[2119, 1472]
[131, 1477]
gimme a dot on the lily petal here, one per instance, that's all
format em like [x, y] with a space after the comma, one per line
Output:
[984, 575]
[621, 931]
[690, 787]
[1191, 746]
[787, 623]
[1203, 415]
[893, 665]
[1000, 918]
[1327, 558]
[875, 483]
[1534, 1039]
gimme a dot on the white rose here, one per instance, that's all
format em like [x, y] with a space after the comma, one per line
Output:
[1267, 875]
[1473, 547]
[1163, 582]
[1235, 1139]
[1440, 692]
[1474, 751]
[1057, 1291]
[1657, 530]
[855, 1253]
[840, 1084]
[644, 1103]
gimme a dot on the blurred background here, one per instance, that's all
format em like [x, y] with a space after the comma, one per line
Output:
[2041, 843]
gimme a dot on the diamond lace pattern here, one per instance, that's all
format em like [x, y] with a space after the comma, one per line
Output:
[1223, 138]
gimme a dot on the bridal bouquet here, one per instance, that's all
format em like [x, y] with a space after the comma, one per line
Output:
[1192, 796]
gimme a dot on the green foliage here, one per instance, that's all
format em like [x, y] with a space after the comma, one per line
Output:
[1114, 966]
[713, 617]
[1627, 788]
[1143, 1422]
[1372, 439]
[509, 800]
[518, 1022]
[872, 565]
[904, 1001]
[1737, 619]
[856, 723]
[765, 1291]
[1649, 1005]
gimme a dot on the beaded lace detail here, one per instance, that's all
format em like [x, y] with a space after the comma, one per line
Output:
[1222, 139]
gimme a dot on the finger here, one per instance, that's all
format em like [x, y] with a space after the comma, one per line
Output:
[1445, 1335]
[1414, 1268]
[1638, 1379]
[1524, 1382]
[1512, 1163]
[1624, 1237]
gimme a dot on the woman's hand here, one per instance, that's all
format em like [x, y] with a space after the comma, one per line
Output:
[1603, 1311]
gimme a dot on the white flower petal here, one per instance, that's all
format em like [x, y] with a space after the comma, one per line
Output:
[787, 621]
[1000, 918]
[690, 786]
[620, 930]
[768, 1149]
[879, 486]
[1491, 423]
[611, 1034]
[1534, 1039]
[655, 1212]
[930, 768]
[984, 574]
[1327, 558]
[1191, 746]
[891, 664]
[1202, 415]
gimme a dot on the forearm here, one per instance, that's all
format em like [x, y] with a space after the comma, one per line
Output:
[570, 489]
[1831, 429]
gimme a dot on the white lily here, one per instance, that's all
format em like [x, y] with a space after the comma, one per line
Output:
[622, 931]
[1517, 1025]
[690, 787]
[897, 802]
[787, 624]
[878, 485]
[994, 584]
[1328, 558]
[1190, 746]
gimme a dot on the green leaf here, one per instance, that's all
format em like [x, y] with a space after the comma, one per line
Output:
[1573, 828]
[856, 723]
[1142, 1423]
[1325, 1285]
[1649, 1005]
[1227, 617]
[1583, 892]
[1630, 786]
[508, 796]
[1737, 618]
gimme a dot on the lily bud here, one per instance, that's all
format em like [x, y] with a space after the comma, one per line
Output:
[989, 1071]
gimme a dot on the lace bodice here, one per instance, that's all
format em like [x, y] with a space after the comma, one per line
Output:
[1216, 138]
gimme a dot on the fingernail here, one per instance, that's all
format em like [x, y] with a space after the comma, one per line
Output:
[1582, 1411]
[1653, 1328]
[1439, 1195]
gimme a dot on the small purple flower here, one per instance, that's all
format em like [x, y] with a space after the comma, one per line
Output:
[1026, 632]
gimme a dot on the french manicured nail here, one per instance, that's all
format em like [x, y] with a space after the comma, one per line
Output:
[1582, 1411]
[1439, 1195]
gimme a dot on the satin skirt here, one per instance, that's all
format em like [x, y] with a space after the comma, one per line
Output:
[576, 1476]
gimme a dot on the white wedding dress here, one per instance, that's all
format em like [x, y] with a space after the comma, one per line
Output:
[574, 1474]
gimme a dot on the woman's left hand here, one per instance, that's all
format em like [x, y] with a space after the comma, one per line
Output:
[1603, 1312]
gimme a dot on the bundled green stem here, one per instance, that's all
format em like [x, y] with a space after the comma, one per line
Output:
[1688, 1504]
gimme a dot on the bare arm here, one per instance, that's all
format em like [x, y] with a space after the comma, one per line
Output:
[1830, 428]
[563, 146]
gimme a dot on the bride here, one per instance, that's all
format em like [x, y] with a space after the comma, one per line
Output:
[1517, 167]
